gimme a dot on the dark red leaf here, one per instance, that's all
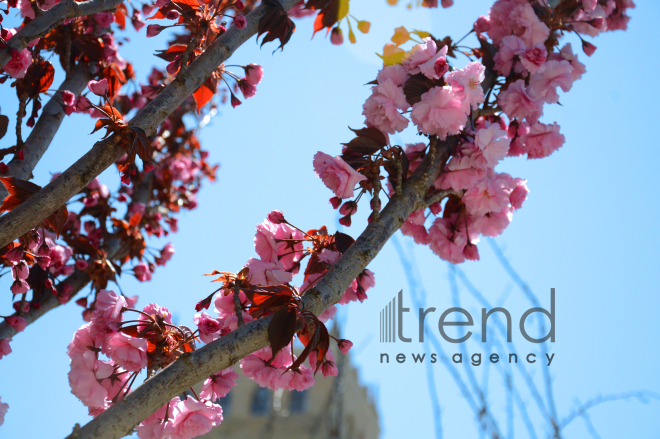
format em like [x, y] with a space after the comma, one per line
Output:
[276, 24]
[281, 329]
[4, 123]
[368, 141]
[343, 242]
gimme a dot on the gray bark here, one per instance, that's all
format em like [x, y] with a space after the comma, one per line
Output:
[44, 130]
[104, 153]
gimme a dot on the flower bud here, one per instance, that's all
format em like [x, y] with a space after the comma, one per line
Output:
[336, 37]
[240, 21]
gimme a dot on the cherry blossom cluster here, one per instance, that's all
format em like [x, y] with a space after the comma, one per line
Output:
[263, 288]
[486, 111]
[120, 341]
[149, 341]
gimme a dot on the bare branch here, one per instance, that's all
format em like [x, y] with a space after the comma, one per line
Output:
[45, 129]
[104, 153]
[642, 395]
[121, 418]
[45, 22]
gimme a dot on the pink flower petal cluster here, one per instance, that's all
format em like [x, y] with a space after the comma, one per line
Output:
[218, 385]
[440, 112]
[337, 175]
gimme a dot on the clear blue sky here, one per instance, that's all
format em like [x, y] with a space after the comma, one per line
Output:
[588, 229]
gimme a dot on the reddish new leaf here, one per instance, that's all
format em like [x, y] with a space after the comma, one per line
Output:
[19, 191]
[204, 94]
[172, 53]
[57, 220]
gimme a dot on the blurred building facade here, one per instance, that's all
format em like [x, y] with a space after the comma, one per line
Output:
[334, 408]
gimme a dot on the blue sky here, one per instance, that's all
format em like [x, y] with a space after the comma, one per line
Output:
[588, 229]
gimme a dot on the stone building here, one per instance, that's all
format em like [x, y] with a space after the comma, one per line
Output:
[335, 407]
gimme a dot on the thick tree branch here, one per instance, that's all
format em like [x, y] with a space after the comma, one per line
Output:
[104, 153]
[45, 129]
[44, 23]
[121, 418]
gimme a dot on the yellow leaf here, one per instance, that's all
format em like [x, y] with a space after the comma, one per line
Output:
[351, 36]
[401, 36]
[422, 34]
[392, 2]
[343, 9]
[392, 54]
[364, 26]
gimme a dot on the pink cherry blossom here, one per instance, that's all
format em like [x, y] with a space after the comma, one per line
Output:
[486, 196]
[5, 349]
[448, 240]
[469, 79]
[165, 254]
[534, 58]
[301, 379]
[142, 272]
[254, 73]
[19, 63]
[493, 223]
[209, 328]
[519, 194]
[193, 418]
[482, 24]
[517, 103]
[422, 58]
[542, 140]
[344, 345]
[381, 109]
[511, 47]
[109, 306]
[440, 112]
[493, 144]
[267, 273]
[397, 73]
[516, 17]
[218, 385]
[129, 352]
[85, 384]
[579, 69]
[19, 286]
[16, 322]
[328, 314]
[99, 88]
[337, 175]
[553, 74]
[414, 226]
[270, 248]
[156, 426]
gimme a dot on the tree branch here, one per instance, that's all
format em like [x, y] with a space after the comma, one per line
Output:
[121, 418]
[45, 129]
[45, 22]
[104, 153]
[79, 279]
